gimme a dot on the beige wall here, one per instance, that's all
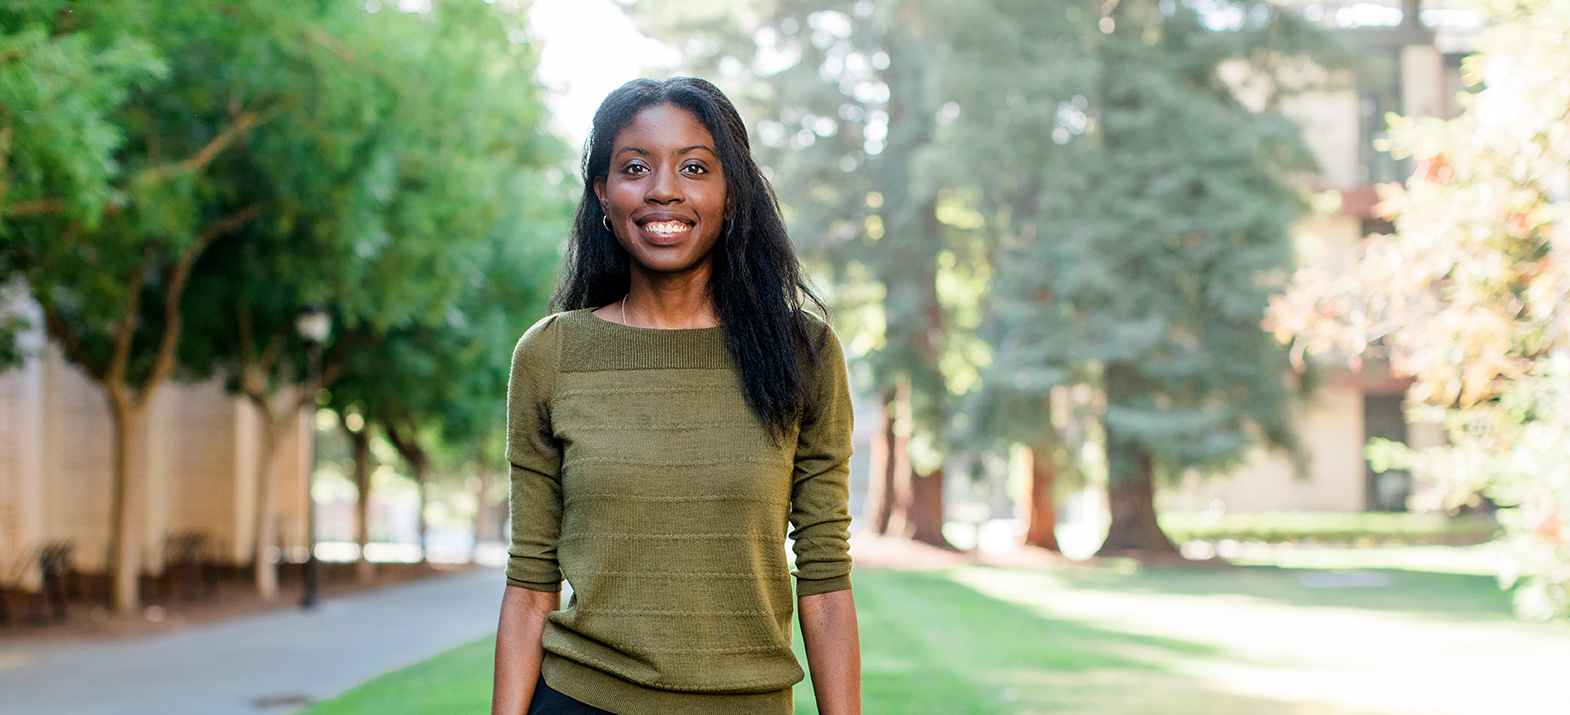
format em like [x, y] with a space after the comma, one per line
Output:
[1330, 129]
[193, 467]
[1331, 429]
[1331, 424]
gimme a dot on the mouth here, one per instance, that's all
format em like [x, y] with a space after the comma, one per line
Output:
[664, 231]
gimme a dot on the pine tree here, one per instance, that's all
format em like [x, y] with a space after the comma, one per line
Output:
[1151, 245]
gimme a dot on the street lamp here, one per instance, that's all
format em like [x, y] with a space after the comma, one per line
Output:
[314, 326]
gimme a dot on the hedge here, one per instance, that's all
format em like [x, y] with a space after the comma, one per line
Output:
[1329, 527]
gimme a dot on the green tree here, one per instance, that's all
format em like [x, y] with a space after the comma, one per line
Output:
[470, 227]
[309, 176]
[1148, 246]
[344, 157]
[1469, 295]
[108, 212]
[1012, 73]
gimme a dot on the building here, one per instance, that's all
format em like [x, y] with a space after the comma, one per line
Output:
[1412, 51]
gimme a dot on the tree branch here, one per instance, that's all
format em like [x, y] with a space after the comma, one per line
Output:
[125, 327]
[243, 122]
[406, 445]
[174, 290]
[34, 207]
[270, 354]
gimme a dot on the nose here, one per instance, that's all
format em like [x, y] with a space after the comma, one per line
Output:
[665, 187]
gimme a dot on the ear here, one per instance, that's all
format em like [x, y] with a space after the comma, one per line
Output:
[599, 192]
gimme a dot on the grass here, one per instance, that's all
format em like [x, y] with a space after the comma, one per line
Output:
[1129, 640]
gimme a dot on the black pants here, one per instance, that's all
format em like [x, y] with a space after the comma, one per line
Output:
[550, 702]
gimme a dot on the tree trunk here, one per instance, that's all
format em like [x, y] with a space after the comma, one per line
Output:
[419, 517]
[924, 512]
[1131, 489]
[900, 486]
[408, 445]
[881, 480]
[266, 569]
[1041, 517]
[125, 551]
[360, 445]
[1134, 530]
[482, 506]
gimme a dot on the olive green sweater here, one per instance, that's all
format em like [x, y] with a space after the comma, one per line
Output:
[640, 474]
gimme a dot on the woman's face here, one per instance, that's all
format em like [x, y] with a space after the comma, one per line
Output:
[665, 191]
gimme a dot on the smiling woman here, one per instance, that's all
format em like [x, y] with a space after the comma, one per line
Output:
[664, 199]
[664, 428]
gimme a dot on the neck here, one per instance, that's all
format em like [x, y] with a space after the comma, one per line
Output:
[669, 301]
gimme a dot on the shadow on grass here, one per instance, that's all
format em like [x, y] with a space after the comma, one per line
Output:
[932, 645]
[1432, 595]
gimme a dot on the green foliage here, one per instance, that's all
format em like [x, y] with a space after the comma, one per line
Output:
[1329, 527]
[1469, 294]
[267, 157]
[467, 251]
[1151, 232]
[63, 71]
[135, 177]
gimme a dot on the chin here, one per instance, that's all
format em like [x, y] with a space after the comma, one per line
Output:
[683, 263]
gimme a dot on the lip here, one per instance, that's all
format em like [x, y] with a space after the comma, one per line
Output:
[663, 239]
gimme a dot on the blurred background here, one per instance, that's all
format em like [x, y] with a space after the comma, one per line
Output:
[1209, 355]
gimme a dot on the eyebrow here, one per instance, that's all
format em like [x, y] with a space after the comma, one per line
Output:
[683, 150]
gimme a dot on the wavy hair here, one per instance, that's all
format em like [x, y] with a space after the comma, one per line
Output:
[757, 284]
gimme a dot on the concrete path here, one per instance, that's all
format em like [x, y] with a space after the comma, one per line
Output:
[287, 657]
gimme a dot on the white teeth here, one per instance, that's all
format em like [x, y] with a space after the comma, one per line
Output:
[665, 226]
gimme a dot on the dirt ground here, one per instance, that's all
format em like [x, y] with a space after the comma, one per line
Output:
[88, 618]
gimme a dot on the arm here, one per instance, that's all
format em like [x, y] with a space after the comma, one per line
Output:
[828, 630]
[533, 575]
[820, 517]
[519, 650]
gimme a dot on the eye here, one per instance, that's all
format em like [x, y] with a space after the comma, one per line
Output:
[695, 168]
[635, 168]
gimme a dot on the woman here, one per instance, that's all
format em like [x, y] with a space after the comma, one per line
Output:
[666, 430]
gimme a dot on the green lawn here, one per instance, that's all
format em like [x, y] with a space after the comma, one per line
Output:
[1258, 639]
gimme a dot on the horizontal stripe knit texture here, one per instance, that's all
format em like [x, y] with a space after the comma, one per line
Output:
[640, 475]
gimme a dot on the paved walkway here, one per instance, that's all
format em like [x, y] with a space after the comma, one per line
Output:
[282, 656]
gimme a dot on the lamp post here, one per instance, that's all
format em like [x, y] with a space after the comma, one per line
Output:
[314, 326]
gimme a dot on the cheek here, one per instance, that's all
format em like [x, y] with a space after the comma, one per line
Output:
[620, 197]
[715, 202]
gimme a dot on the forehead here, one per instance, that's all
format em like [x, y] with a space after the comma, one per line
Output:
[663, 126]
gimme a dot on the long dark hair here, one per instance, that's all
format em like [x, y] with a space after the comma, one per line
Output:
[756, 284]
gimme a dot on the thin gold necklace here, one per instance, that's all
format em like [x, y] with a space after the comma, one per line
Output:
[624, 310]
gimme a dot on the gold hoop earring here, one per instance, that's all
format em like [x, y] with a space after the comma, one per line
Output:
[606, 222]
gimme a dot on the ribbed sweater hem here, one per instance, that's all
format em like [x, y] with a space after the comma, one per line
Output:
[608, 692]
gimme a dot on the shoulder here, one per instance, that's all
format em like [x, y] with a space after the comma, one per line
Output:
[824, 365]
[825, 342]
[544, 337]
[540, 347]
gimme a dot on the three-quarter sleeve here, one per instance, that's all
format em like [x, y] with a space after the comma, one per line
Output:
[535, 455]
[820, 491]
